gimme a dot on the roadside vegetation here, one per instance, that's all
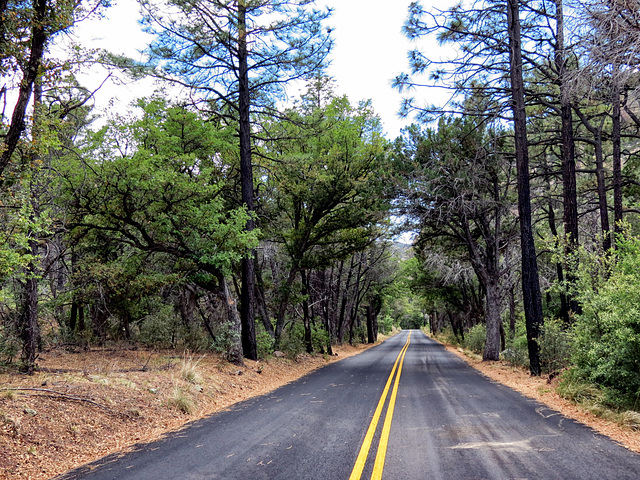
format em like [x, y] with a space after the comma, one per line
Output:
[239, 220]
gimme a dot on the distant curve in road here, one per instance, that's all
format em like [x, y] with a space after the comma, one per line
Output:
[437, 419]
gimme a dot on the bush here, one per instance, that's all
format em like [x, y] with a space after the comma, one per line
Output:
[292, 342]
[264, 343]
[606, 336]
[475, 338]
[319, 339]
[555, 346]
[517, 351]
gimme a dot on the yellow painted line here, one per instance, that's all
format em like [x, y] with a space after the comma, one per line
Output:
[386, 428]
[368, 438]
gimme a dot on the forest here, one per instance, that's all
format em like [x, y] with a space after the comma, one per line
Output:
[236, 219]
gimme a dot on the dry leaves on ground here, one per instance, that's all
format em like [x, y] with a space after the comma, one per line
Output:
[82, 406]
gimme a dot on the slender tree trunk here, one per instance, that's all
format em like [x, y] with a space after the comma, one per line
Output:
[308, 338]
[247, 300]
[282, 308]
[30, 327]
[39, 37]
[569, 190]
[617, 155]
[235, 352]
[261, 304]
[371, 338]
[530, 281]
[602, 192]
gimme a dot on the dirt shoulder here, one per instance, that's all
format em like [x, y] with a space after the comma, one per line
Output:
[85, 405]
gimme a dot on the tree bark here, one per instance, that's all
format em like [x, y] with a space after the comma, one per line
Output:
[236, 350]
[530, 281]
[617, 155]
[30, 328]
[247, 301]
[39, 38]
[602, 193]
[493, 322]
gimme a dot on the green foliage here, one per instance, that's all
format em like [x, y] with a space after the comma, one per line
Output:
[555, 346]
[606, 336]
[319, 338]
[516, 351]
[292, 343]
[264, 343]
[161, 328]
[385, 324]
[162, 196]
[475, 338]
[328, 195]
[10, 344]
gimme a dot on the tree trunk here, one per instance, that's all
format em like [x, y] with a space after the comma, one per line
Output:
[308, 338]
[30, 328]
[261, 304]
[617, 155]
[370, 327]
[247, 301]
[602, 193]
[282, 308]
[493, 322]
[235, 351]
[530, 281]
[39, 37]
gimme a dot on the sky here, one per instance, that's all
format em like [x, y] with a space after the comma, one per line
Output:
[369, 52]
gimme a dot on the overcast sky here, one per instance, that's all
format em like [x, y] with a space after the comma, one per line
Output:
[370, 50]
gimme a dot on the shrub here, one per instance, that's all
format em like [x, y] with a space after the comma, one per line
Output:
[555, 346]
[517, 351]
[606, 336]
[292, 342]
[475, 338]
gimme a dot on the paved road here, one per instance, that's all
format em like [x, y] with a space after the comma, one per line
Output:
[405, 409]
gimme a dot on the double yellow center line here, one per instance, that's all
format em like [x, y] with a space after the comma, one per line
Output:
[378, 466]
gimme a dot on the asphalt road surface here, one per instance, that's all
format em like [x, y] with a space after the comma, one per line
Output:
[405, 409]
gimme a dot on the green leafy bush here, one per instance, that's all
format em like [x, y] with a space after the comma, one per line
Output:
[264, 343]
[606, 336]
[516, 351]
[555, 346]
[475, 338]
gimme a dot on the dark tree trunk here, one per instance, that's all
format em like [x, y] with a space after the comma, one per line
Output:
[99, 316]
[530, 281]
[30, 328]
[617, 155]
[282, 307]
[564, 305]
[247, 300]
[261, 304]
[38, 40]
[493, 322]
[602, 193]
[73, 317]
[370, 325]
[308, 338]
